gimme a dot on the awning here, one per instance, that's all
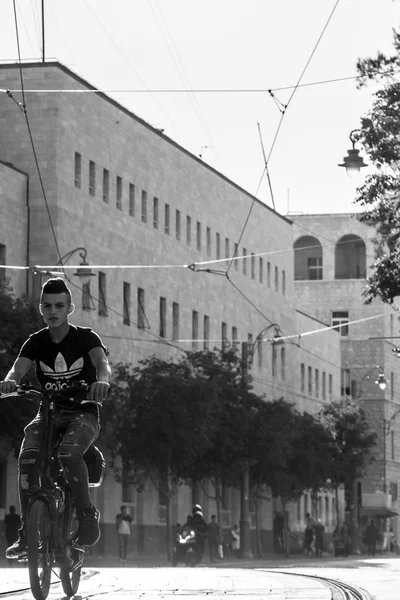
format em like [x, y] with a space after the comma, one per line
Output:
[377, 511]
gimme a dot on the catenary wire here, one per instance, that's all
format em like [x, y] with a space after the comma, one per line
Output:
[283, 112]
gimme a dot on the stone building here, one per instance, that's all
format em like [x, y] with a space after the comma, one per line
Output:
[141, 209]
[333, 254]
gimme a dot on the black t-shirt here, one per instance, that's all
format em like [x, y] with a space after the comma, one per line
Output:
[58, 365]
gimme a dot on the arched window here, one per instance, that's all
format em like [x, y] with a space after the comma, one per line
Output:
[350, 259]
[307, 259]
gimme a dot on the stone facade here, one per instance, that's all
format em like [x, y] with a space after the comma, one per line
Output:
[145, 209]
[347, 251]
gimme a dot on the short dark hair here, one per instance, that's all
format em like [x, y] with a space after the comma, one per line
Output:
[56, 285]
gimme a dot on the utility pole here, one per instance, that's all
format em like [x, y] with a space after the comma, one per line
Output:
[245, 542]
[43, 35]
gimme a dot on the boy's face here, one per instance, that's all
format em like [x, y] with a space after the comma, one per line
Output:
[55, 309]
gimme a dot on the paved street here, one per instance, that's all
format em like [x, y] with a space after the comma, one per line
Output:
[275, 579]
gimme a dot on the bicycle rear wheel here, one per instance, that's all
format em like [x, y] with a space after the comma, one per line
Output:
[38, 533]
[70, 567]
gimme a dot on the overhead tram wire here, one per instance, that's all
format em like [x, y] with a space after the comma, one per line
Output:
[24, 110]
[283, 112]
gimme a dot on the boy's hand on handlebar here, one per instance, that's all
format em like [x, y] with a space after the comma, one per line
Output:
[7, 387]
[98, 391]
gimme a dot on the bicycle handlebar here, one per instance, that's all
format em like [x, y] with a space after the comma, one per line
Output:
[33, 393]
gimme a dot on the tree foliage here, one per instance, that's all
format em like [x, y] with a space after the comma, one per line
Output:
[18, 319]
[380, 194]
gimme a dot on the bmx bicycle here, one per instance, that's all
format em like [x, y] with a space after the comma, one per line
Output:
[51, 522]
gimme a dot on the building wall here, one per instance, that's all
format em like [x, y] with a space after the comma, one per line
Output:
[366, 350]
[13, 224]
[130, 245]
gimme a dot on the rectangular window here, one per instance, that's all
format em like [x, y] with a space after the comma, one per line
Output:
[392, 445]
[78, 170]
[227, 254]
[276, 279]
[178, 224]
[155, 212]
[260, 353]
[268, 274]
[330, 386]
[323, 385]
[126, 303]
[195, 329]
[236, 262]
[253, 266]
[106, 186]
[345, 385]
[283, 282]
[119, 193]
[131, 200]
[102, 294]
[198, 236]
[244, 261]
[317, 383]
[217, 246]
[309, 381]
[206, 332]
[92, 178]
[141, 315]
[391, 385]
[208, 241]
[340, 319]
[163, 317]
[188, 231]
[303, 377]
[314, 267]
[2, 262]
[274, 360]
[224, 337]
[166, 219]
[235, 342]
[144, 207]
[175, 321]
[283, 364]
[261, 269]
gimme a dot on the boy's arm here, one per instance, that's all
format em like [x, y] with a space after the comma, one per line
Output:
[99, 389]
[15, 374]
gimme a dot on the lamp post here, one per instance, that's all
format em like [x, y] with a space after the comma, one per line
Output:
[248, 351]
[353, 162]
[83, 272]
[380, 381]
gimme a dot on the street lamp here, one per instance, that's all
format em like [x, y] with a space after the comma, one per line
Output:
[380, 381]
[353, 162]
[83, 272]
[248, 351]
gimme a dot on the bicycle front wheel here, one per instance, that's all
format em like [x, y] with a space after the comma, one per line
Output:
[38, 533]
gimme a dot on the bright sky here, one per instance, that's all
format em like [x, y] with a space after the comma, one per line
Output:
[147, 45]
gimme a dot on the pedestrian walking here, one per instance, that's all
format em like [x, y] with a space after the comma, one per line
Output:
[319, 531]
[235, 543]
[308, 535]
[11, 524]
[370, 536]
[214, 538]
[123, 522]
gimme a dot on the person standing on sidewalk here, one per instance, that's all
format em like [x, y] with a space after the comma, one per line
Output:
[371, 536]
[214, 538]
[319, 531]
[11, 524]
[123, 522]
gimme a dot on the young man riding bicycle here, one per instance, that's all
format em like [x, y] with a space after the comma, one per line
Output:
[62, 354]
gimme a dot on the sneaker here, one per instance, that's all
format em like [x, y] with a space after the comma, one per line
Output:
[18, 549]
[89, 531]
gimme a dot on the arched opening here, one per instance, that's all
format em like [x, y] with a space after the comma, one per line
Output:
[308, 259]
[350, 258]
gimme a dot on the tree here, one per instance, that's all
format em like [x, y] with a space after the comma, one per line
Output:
[18, 319]
[354, 441]
[380, 193]
[160, 419]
